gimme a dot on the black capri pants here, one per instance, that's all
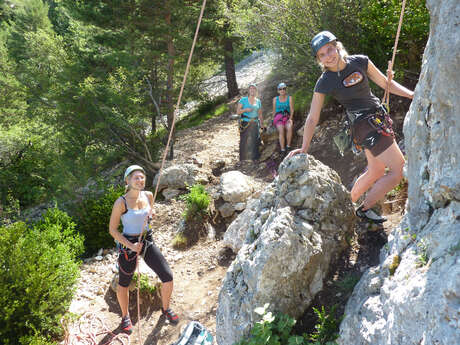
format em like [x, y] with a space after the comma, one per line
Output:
[152, 257]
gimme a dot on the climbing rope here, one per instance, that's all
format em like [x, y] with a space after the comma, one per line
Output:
[88, 329]
[386, 96]
[87, 335]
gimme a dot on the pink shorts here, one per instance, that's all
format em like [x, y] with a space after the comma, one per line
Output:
[280, 119]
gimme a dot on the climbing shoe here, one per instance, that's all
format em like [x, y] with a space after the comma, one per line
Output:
[170, 315]
[126, 326]
[370, 215]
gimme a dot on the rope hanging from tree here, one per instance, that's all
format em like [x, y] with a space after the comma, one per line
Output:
[386, 96]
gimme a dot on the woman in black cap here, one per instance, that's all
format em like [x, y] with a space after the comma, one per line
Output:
[346, 78]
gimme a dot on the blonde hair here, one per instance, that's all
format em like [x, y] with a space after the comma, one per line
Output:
[342, 53]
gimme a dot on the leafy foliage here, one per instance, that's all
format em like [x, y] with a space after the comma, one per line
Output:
[327, 326]
[37, 275]
[93, 216]
[277, 329]
[197, 202]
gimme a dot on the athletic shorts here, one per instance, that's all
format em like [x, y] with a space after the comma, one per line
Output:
[280, 119]
[152, 257]
[367, 136]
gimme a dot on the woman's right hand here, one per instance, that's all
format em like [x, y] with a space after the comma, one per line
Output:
[295, 152]
[137, 247]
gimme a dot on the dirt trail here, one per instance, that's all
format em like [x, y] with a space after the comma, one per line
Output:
[199, 270]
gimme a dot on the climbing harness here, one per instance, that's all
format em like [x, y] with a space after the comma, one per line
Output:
[386, 96]
[244, 124]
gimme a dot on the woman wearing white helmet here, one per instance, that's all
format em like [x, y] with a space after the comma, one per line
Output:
[283, 116]
[134, 209]
[346, 78]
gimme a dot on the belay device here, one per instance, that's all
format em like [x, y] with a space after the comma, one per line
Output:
[194, 334]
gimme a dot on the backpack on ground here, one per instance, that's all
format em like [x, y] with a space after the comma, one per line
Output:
[194, 334]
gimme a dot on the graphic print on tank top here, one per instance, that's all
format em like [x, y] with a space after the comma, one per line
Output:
[353, 79]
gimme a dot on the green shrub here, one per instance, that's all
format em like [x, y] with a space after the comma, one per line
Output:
[327, 327]
[197, 202]
[65, 226]
[347, 283]
[38, 271]
[278, 329]
[273, 330]
[93, 220]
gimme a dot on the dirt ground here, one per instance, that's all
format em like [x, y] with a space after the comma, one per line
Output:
[200, 269]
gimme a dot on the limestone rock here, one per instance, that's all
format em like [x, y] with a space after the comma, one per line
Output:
[179, 176]
[287, 239]
[235, 186]
[170, 193]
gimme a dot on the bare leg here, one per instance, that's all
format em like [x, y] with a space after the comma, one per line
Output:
[280, 129]
[289, 132]
[123, 299]
[166, 291]
[392, 158]
[375, 170]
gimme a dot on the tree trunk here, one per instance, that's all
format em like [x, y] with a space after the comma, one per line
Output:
[232, 85]
[169, 85]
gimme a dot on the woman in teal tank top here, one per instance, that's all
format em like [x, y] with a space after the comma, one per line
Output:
[251, 121]
[283, 116]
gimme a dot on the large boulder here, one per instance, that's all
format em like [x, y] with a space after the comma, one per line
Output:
[180, 176]
[292, 233]
[235, 189]
[413, 296]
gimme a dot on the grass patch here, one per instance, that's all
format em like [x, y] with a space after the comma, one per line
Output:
[394, 264]
[179, 241]
[205, 111]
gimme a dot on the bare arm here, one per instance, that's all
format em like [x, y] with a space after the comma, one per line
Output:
[274, 106]
[117, 210]
[311, 122]
[291, 104]
[381, 80]
[261, 119]
[240, 110]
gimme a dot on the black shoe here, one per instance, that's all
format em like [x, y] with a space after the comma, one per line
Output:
[370, 215]
[126, 326]
[171, 316]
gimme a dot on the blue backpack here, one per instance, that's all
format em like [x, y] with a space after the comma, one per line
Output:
[195, 334]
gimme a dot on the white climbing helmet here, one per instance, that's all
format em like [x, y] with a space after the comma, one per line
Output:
[133, 168]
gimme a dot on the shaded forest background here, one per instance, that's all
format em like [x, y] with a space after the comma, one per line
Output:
[85, 85]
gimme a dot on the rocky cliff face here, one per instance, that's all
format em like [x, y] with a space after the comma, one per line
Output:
[413, 296]
[286, 241]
